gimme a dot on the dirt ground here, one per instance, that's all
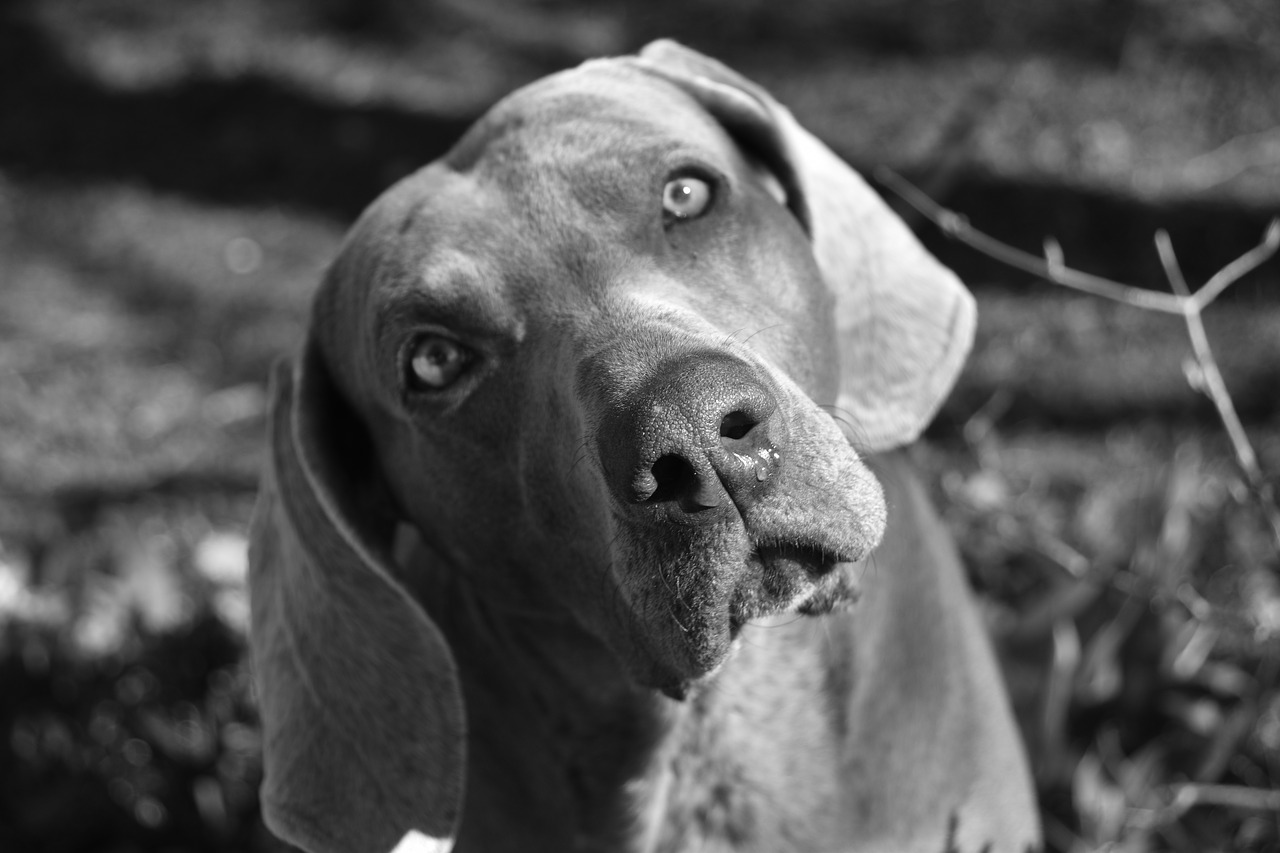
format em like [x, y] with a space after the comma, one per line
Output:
[174, 179]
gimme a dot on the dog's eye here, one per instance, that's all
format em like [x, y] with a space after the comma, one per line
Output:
[435, 362]
[686, 197]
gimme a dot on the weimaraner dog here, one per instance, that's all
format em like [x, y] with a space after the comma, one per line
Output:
[564, 519]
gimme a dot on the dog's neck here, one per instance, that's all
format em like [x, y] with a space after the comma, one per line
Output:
[557, 728]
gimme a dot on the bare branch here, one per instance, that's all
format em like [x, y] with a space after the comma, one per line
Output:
[1182, 302]
[1211, 377]
[1188, 796]
[1240, 267]
[1172, 270]
[957, 226]
[1214, 385]
[1053, 255]
[1051, 267]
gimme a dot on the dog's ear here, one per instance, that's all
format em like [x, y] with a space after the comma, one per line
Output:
[362, 719]
[904, 322]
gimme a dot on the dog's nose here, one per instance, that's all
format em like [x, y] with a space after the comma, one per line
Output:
[701, 433]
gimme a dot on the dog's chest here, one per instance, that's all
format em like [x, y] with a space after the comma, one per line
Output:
[750, 766]
[750, 762]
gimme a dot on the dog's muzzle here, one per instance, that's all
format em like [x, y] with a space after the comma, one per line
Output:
[700, 439]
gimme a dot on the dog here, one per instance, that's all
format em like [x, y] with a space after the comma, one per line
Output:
[564, 521]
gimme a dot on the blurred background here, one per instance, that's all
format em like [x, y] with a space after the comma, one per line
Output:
[175, 176]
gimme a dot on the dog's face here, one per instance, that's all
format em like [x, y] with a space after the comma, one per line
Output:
[590, 345]
[595, 357]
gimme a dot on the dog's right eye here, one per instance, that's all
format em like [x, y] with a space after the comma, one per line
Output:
[686, 197]
[435, 362]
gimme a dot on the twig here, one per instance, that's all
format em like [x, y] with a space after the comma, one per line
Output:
[1233, 158]
[1182, 302]
[1051, 268]
[1188, 796]
[1214, 385]
[1240, 267]
[957, 226]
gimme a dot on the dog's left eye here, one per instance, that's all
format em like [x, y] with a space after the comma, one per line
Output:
[435, 362]
[686, 197]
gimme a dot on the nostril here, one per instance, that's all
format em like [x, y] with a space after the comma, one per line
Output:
[736, 425]
[677, 481]
[675, 477]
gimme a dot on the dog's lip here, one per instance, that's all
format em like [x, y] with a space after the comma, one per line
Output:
[787, 571]
[797, 566]
[813, 557]
[778, 574]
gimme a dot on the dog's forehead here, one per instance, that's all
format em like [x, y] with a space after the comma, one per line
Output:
[598, 138]
[598, 113]
[537, 205]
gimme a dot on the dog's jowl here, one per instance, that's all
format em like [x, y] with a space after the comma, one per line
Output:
[585, 526]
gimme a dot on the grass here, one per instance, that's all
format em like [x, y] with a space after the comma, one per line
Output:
[1137, 608]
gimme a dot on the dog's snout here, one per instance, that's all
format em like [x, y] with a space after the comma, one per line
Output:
[751, 450]
[701, 434]
[736, 426]
[676, 479]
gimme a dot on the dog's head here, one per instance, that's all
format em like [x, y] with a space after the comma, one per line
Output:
[598, 357]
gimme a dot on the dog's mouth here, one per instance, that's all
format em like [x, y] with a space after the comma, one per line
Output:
[701, 595]
[812, 559]
[806, 578]
[798, 576]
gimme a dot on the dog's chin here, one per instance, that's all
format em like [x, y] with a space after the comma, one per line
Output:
[679, 686]
[794, 578]
[689, 659]
[776, 581]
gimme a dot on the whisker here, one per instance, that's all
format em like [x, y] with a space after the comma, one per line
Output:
[762, 329]
[853, 432]
[578, 456]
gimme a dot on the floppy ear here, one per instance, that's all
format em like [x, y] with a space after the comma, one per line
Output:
[904, 322]
[362, 719]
